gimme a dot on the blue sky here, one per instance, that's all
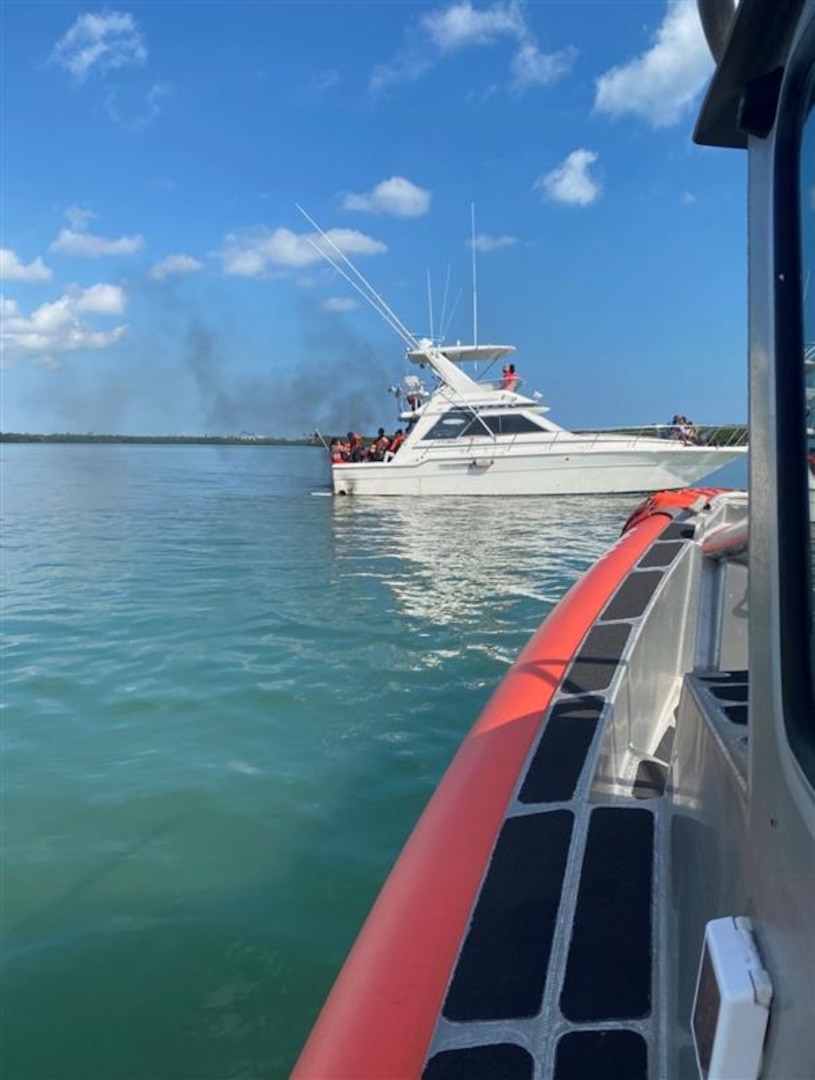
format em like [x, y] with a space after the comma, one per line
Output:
[158, 278]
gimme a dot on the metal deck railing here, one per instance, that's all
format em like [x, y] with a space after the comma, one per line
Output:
[718, 435]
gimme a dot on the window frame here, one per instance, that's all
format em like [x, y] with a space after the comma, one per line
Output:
[795, 570]
[477, 424]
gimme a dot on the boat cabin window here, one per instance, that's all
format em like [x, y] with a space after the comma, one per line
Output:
[808, 291]
[511, 424]
[794, 334]
[807, 230]
[454, 424]
[461, 423]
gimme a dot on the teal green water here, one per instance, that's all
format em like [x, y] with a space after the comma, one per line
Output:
[225, 702]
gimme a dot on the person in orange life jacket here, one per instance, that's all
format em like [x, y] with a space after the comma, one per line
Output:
[511, 378]
[397, 441]
[382, 444]
[356, 449]
[505, 378]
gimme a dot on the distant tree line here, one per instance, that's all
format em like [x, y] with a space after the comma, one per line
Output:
[163, 440]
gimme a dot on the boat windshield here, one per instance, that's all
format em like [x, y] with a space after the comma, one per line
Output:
[462, 423]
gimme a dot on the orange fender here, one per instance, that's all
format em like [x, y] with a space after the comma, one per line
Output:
[665, 501]
[380, 1017]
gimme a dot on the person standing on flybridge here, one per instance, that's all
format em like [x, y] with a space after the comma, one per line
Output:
[509, 379]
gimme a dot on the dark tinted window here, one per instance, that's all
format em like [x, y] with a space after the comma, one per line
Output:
[794, 315]
[456, 424]
[460, 423]
[450, 426]
[510, 424]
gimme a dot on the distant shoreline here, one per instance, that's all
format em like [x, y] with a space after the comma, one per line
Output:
[162, 440]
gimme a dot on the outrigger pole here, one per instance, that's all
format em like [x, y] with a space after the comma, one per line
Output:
[379, 305]
[368, 293]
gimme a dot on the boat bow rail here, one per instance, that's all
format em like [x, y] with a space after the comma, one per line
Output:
[725, 435]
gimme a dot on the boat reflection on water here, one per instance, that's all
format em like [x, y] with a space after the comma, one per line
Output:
[462, 560]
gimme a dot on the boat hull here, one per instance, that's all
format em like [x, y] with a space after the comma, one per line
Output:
[477, 471]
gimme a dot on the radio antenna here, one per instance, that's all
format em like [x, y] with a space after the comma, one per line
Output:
[430, 304]
[442, 331]
[475, 281]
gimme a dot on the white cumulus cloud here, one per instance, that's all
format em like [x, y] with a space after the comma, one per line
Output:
[174, 264]
[12, 268]
[662, 84]
[252, 252]
[70, 242]
[60, 326]
[100, 41]
[339, 304]
[459, 25]
[100, 299]
[531, 67]
[486, 243]
[570, 182]
[76, 240]
[396, 196]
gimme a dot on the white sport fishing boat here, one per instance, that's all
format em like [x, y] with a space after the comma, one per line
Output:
[470, 437]
[616, 876]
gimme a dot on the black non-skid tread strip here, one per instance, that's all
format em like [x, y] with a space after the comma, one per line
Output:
[500, 1061]
[608, 971]
[650, 780]
[631, 599]
[661, 554]
[677, 530]
[612, 1055]
[502, 967]
[731, 692]
[562, 750]
[595, 664]
[736, 714]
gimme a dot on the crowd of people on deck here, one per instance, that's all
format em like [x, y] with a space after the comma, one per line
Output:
[354, 448]
[681, 428]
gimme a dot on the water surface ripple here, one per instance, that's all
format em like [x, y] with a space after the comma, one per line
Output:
[225, 703]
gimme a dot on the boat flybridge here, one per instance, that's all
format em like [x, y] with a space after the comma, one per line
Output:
[480, 437]
[616, 876]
